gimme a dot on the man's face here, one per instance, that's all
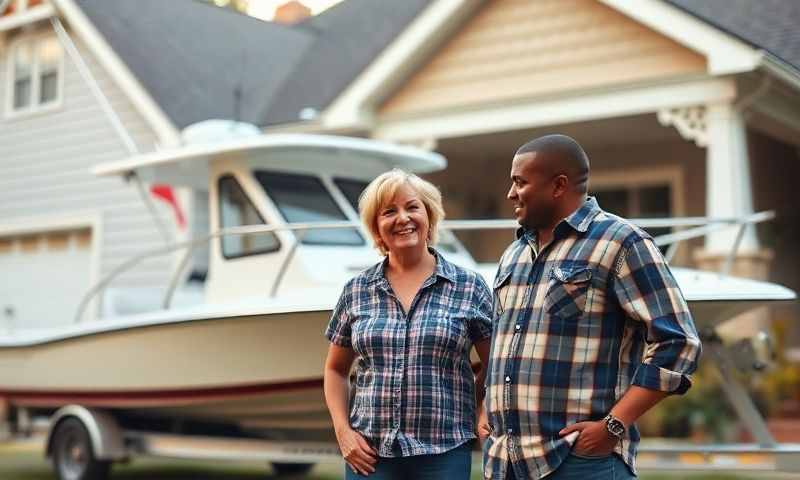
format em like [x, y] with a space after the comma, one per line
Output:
[531, 192]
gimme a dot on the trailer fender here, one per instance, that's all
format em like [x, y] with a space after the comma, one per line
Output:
[104, 432]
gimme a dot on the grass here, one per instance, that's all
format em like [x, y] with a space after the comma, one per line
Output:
[27, 463]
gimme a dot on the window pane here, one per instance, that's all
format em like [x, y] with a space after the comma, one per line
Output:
[22, 93]
[49, 61]
[48, 87]
[302, 198]
[49, 54]
[655, 201]
[236, 210]
[351, 189]
[615, 201]
[22, 76]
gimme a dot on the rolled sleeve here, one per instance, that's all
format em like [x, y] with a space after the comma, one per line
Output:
[339, 327]
[648, 293]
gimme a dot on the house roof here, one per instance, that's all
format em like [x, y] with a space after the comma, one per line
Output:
[192, 56]
[770, 25]
[348, 37]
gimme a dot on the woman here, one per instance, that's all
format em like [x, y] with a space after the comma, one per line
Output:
[410, 321]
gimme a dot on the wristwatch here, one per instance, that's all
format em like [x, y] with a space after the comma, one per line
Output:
[614, 426]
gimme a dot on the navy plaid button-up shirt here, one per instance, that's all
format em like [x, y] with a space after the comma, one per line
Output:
[414, 386]
[576, 324]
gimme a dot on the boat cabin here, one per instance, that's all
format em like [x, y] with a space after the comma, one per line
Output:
[272, 180]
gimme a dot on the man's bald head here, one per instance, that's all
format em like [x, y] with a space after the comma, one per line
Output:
[561, 154]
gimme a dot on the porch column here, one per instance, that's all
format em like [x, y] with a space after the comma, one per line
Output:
[729, 194]
[728, 186]
[5, 428]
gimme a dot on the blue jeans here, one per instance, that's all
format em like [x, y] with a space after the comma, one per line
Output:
[574, 467]
[455, 464]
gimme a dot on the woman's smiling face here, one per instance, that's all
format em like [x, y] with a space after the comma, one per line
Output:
[403, 221]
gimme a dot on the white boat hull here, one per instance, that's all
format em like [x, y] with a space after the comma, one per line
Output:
[259, 372]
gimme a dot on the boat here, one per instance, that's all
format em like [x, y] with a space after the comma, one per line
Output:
[240, 353]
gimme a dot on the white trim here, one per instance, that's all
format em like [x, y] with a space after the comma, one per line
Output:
[33, 40]
[351, 108]
[167, 133]
[32, 15]
[595, 104]
[91, 219]
[725, 53]
[781, 70]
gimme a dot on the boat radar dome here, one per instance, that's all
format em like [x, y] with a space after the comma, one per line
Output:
[212, 131]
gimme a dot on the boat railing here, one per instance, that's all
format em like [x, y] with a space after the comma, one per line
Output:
[690, 227]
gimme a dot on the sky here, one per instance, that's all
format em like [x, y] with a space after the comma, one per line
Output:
[265, 9]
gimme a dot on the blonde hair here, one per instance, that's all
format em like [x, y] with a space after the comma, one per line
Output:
[383, 189]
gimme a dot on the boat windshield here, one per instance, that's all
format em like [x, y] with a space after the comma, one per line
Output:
[303, 198]
[352, 191]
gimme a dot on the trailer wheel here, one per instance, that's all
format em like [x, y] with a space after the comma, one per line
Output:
[292, 468]
[73, 455]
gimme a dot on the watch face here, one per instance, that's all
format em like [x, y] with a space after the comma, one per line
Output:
[615, 427]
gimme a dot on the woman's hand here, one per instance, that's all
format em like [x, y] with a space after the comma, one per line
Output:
[594, 440]
[356, 451]
[482, 426]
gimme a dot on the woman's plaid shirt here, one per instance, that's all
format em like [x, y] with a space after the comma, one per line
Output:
[414, 387]
[597, 310]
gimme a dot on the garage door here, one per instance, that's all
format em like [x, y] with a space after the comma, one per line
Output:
[43, 277]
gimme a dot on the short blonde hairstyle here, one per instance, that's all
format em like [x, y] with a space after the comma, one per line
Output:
[383, 189]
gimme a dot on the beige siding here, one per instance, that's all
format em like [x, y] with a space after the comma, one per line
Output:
[45, 160]
[516, 49]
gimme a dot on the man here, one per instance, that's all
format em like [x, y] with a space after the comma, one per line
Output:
[590, 329]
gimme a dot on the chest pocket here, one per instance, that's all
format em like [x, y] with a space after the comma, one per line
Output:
[567, 291]
[501, 285]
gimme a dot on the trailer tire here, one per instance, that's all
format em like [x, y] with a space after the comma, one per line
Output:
[73, 455]
[291, 468]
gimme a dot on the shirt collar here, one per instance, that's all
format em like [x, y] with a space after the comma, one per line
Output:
[579, 220]
[444, 269]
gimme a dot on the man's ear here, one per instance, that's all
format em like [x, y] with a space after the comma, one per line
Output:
[560, 185]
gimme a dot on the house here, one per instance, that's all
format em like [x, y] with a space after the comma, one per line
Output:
[89, 81]
[686, 108]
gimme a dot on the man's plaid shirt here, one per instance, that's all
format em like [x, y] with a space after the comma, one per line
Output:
[597, 310]
[414, 387]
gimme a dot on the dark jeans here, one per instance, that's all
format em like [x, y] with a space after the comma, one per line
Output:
[454, 464]
[574, 467]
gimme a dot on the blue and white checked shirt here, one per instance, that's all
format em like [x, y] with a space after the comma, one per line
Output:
[414, 386]
[597, 310]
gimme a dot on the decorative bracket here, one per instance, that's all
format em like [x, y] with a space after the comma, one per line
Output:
[690, 122]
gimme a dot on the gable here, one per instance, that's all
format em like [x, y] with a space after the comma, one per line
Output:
[517, 49]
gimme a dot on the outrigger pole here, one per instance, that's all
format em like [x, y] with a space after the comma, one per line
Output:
[69, 46]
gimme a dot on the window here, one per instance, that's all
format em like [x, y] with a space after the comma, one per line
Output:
[235, 210]
[303, 198]
[653, 201]
[351, 189]
[36, 68]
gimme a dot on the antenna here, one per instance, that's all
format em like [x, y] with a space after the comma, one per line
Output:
[238, 90]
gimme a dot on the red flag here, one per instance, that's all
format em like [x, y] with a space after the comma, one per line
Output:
[165, 193]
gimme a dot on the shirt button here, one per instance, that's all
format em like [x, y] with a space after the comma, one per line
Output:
[508, 379]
